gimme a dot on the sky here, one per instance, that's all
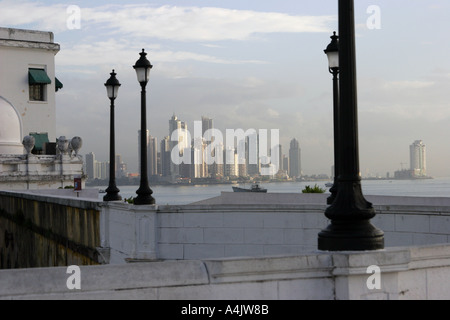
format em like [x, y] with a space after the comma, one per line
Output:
[251, 64]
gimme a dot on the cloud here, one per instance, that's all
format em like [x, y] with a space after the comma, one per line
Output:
[395, 85]
[164, 22]
[199, 23]
[84, 58]
[18, 13]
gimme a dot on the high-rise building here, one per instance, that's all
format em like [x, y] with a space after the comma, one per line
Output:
[152, 156]
[90, 166]
[285, 163]
[294, 159]
[207, 124]
[417, 153]
[252, 154]
[118, 163]
[102, 170]
[178, 136]
[218, 166]
[165, 157]
[231, 168]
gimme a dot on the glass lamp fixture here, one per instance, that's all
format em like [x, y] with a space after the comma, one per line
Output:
[112, 86]
[142, 68]
[332, 52]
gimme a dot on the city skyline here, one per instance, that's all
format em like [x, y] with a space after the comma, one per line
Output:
[256, 64]
[159, 162]
[245, 146]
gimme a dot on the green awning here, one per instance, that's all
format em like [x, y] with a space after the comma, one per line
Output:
[38, 76]
[39, 140]
[58, 84]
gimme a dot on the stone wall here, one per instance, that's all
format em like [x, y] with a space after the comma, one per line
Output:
[23, 172]
[43, 231]
[404, 274]
[118, 232]
[279, 224]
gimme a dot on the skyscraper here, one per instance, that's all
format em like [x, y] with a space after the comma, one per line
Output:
[207, 124]
[417, 154]
[165, 157]
[90, 166]
[252, 154]
[178, 136]
[294, 159]
[152, 156]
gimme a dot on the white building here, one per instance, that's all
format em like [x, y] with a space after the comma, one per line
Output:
[27, 81]
[28, 116]
[418, 159]
[179, 141]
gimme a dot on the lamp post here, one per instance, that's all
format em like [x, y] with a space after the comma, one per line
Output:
[112, 192]
[332, 52]
[144, 193]
[350, 213]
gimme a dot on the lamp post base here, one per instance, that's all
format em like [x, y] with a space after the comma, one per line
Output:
[351, 236]
[333, 191]
[144, 196]
[112, 194]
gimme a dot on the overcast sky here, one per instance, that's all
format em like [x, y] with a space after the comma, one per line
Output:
[251, 64]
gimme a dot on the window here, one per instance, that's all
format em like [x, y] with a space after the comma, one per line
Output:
[37, 81]
[37, 92]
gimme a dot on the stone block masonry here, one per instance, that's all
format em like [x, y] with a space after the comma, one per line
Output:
[414, 273]
[43, 231]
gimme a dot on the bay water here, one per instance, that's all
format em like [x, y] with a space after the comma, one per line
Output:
[185, 194]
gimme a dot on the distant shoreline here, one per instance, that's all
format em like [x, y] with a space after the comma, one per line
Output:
[202, 182]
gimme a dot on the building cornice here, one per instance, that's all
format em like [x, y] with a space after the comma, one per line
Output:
[30, 45]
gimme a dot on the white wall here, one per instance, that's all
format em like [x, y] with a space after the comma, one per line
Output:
[217, 231]
[19, 51]
[417, 273]
[39, 172]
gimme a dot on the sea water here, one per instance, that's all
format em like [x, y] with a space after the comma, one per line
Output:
[185, 194]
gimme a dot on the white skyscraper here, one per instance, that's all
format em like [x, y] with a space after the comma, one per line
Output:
[178, 135]
[417, 152]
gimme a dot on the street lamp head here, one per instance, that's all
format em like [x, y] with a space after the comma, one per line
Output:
[112, 86]
[142, 68]
[332, 52]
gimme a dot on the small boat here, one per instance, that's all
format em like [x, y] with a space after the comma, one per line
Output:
[255, 188]
[329, 184]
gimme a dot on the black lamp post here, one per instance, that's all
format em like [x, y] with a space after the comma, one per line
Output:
[112, 192]
[332, 52]
[350, 213]
[144, 193]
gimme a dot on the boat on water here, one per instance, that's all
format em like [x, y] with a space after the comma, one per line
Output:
[255, 188]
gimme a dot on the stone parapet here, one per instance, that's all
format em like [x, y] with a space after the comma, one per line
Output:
[404, 273]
